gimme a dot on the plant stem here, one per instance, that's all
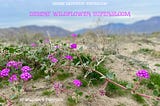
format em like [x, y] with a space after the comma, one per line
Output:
[121, 86]
[24, 86]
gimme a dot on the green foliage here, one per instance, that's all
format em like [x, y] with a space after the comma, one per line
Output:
[4, 83]
[95, 77]
[102, 68]
[37, 74]
[145, 51]
[113, 90]
[88, 97]
[35, 104]
[2, 100]
[156, 92]
[91, 77]
[121, 104]
[63, 76]
[155, 103]
[158, 65]
[153, 82]
[129, 86]
[71, 102]
[79, 93]
[47, 93]
[84, 58]
[13, 97]
[110, 75]
[138, 98]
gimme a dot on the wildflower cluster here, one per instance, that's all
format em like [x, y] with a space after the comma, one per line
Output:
[25, 73]
[15, 71]
[14, 65]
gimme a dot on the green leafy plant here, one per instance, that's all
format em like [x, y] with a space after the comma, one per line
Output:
[47, 92]
[113, 90]
[138, 98]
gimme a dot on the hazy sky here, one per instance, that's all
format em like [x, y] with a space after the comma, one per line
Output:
[15, 13]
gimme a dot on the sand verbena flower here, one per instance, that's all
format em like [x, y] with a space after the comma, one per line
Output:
[14, 64]
[77, 82]
[13, 78]
[73, 46]
[26, 69]
[68, 57]
[142, 74]
[5, 72]
[52, 58]
[25, 76]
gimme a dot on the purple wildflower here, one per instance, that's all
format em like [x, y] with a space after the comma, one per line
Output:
[14, 64]
[11, 63]
[33, 44]
[74, 35]
[57, 85]
[46, 40]
[13, 78]
[56, 47]
[73, 46]
[54, 60]
[142, 74]
[50, 56]
[5, 72]
[77, 82]
[102, 92]
[19, 64]
[25, 69]
[25, 76]
[68, 57]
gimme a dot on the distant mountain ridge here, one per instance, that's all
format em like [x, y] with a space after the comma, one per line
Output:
[33, 29]
[143, 26]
